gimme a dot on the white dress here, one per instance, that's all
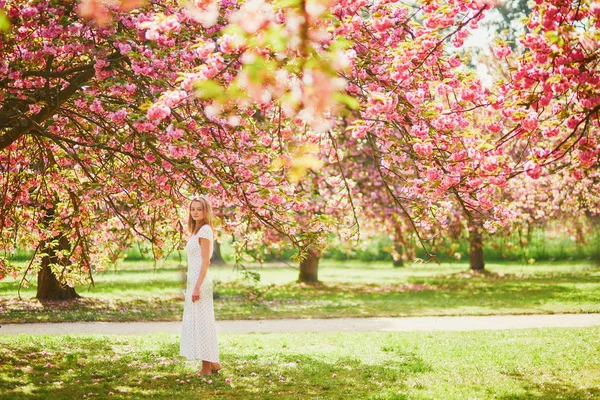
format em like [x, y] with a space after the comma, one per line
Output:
[198, 329]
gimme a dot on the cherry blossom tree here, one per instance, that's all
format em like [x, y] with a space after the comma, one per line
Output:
[110, 118]
[547, 100]
[557, 201]
[437, 139]
[102, 137]
[420, 123]
[551, 100]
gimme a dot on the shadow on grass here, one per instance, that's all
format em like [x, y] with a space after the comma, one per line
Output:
[95, 366]
[550, 391]
[115, 289]
[491, 277]
[124, 298]
[519, 294]
[116, 284]
[91, 309]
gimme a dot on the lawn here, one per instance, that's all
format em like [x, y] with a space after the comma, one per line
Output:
[559, 363]
[136, 291]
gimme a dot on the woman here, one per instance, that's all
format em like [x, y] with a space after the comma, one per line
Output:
[198, 329]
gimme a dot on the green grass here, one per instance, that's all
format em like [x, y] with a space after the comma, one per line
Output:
[542, 364]
[349, 289]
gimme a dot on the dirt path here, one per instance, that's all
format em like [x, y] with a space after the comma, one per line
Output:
[466, 323]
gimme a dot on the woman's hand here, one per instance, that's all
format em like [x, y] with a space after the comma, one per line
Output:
[196, 294]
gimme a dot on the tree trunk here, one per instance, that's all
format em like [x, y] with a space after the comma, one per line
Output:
[309, 267]
[48, 286]
[398, 249]
[217, 259]
[398, 246]
[476, 262]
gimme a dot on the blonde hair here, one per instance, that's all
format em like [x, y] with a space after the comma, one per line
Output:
[194, 226]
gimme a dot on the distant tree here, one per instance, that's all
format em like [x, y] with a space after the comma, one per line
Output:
[506, 19]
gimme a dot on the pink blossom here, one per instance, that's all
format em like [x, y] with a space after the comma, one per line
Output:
[550, 20]
[420, 130]
[417, 97]
[209, 71]
[532, 169]
[100, 63]
[233, 120]
[499, 180]
[457, 41]
[423, 149]
[475, 182]
[443, 89]
[588, 42]
[485, 203]
[206, 49]
[29, 12]
[169, 24]
[587, 158]
[530, 123]
[28, 55]
[229, 44]
[35, 108]
[495, 126]
[176, 151]
[490, 226]
[550, 132]
[454, 61]
[382, 24]
[172, 98]
[158, 112]
[130, 88]
[433, 174]
[151, 158]
[96, 106]
[152, 34]
[276, 199]
[502, 51]
[206, 12]
[539, 152]
[253, 15]
[119, 116]
[144, 126]
[174, 133]
[490, 164]
[124, 48]
[573, 122]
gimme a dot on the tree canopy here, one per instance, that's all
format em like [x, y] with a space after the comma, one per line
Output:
[114, 113]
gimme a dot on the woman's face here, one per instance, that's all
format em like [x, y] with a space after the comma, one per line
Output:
[196, 211]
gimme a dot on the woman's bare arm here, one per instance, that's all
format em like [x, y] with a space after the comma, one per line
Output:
[205, 251]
